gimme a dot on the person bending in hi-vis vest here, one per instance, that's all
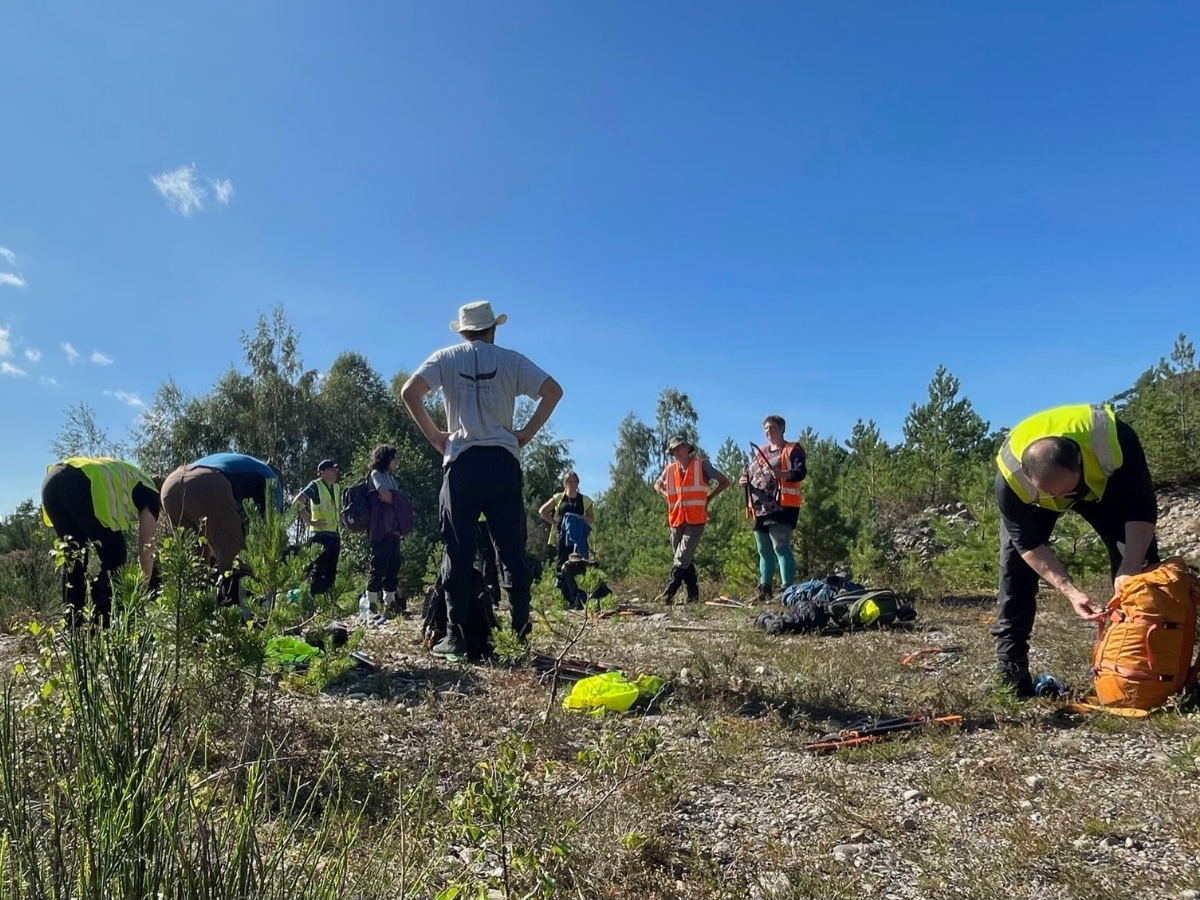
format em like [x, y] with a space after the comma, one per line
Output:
[320, 505]
[94, 500]
[684, 483]
[1081, 458]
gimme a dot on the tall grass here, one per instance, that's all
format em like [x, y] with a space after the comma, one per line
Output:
[117, 778]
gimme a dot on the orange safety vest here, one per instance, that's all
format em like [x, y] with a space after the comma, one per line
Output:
[687, 494]
[789, 491]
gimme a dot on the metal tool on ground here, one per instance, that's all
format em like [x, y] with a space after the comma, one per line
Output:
[927, 659]
[726, 603]
[881, 730]
[569, 669]
[623, 610]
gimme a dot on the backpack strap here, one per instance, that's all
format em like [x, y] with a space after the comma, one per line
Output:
[1194, 671]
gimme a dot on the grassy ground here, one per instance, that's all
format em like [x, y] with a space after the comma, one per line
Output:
[471, 781]
[711, 793]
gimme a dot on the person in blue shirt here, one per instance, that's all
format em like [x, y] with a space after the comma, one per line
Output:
[209, 496]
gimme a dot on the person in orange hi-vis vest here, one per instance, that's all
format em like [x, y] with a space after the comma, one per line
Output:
[772, 482]
[684, 483]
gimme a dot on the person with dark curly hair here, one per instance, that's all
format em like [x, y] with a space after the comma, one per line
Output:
[384, 532]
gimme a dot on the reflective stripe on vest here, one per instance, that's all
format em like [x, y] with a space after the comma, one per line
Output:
[687, 494]
[789, 491]
[112, 482]
[1092, 427]
[328, 509]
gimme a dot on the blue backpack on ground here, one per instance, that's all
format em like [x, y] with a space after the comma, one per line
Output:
[819, 590]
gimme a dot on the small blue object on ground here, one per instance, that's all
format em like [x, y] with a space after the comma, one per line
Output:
[1046, 685]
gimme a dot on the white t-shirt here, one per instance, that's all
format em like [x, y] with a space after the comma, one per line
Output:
[480, 384]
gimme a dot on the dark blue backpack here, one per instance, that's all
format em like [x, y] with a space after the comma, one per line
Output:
[356, 506]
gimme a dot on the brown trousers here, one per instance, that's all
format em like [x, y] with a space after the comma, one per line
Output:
[201, 499]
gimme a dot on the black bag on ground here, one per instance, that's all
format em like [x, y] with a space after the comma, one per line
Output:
[482, 620]
[801, 617]
[867, 609]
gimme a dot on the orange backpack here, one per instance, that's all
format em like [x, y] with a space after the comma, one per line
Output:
[1144, 651]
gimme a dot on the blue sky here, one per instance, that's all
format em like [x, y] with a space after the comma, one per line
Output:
[789, 207]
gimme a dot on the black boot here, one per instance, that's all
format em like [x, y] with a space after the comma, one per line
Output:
[1015, 677]
[692, 583]
[519, 603]
[668, 593]
[764, 594]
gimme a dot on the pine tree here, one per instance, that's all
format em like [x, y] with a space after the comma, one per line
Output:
[941, 438]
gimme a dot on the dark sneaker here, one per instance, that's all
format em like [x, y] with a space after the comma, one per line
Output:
[448, 648]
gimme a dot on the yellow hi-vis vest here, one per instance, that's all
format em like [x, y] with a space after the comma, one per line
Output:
[327, 509]
[1093, 428]
[112, 481]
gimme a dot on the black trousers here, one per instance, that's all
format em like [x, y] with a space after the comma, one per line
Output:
[67, 499]
[384, 569]
[1017, 600]
[323, 570]
[483, 480]
[489, 562]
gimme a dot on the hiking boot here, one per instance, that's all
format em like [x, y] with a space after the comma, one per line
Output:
[667, 595]
[764, 594]
[1015, 676]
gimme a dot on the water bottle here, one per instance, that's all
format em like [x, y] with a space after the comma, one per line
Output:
[1046, 685]
[364, 609]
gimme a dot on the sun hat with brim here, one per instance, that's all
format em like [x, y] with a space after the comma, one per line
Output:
[677, 442]
[477, 316]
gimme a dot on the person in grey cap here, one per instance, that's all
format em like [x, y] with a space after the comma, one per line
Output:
[481, 455]
[320, 509]
[684, 483]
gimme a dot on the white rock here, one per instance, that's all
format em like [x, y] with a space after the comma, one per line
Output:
[847, 852]
[1035, 782]
[913, 795]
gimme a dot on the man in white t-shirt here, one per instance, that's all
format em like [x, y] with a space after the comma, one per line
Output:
[481, 455]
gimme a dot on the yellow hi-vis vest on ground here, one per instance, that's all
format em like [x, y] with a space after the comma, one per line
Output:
[112, 482]
[1093, 428]
[326, 508]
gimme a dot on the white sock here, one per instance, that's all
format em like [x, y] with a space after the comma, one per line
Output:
[373, 599]
[389, 599]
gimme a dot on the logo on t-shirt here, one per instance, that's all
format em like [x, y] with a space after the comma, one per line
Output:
[483, 376]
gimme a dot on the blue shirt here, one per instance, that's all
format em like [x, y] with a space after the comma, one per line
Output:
[239, 465]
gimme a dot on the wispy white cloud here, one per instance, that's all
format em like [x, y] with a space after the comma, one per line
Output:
[222, 189]
[100, 359]
[184, 192]
[33, 354]
[7, 368]
[12, 279]
[47, 380]
[72, 353]
[8, 256]
[180, 189]
[5, 341]
[127, 397]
